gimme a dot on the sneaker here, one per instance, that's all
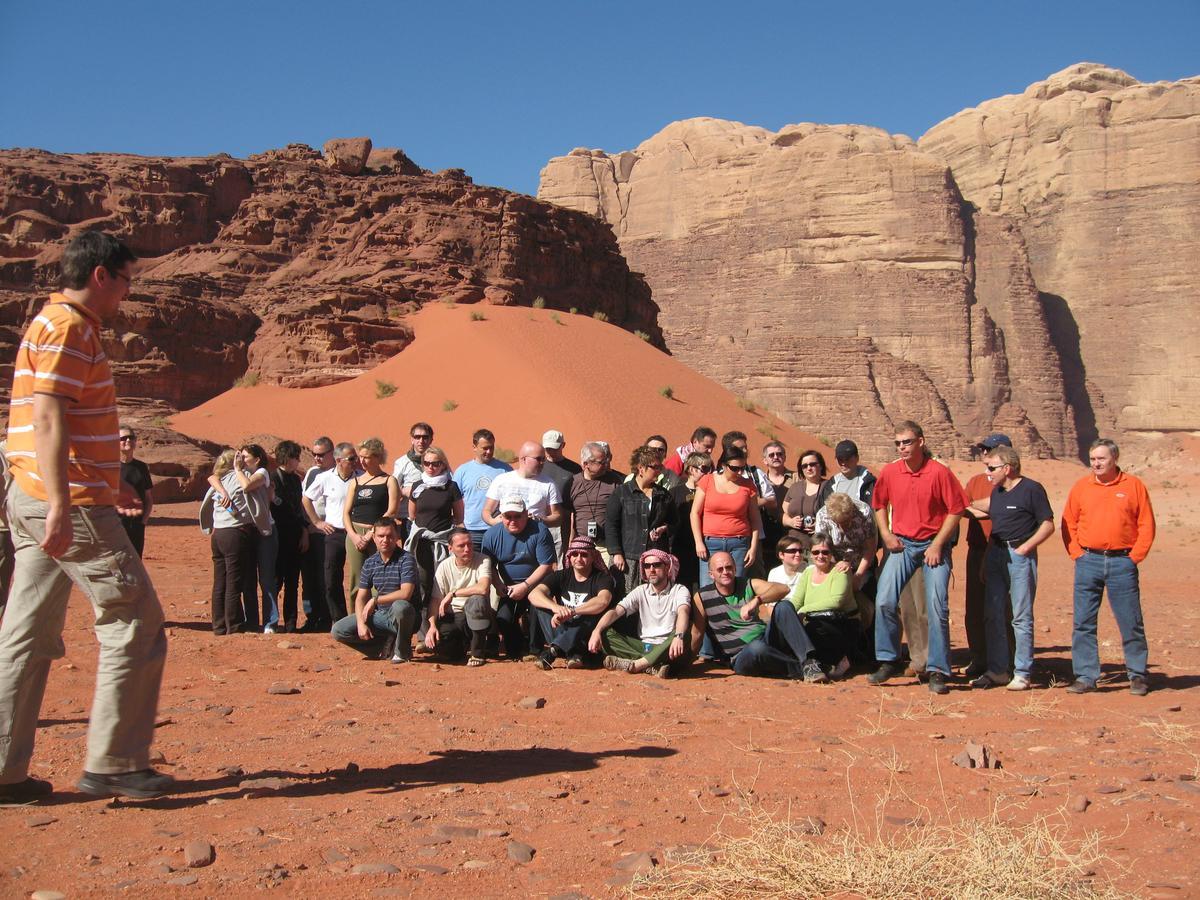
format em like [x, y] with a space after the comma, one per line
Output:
[544, 660]
[1139, 685]
[141, 785]
[616, 664]
[388, 650]
[989, 679]
[885, 672]
[974, 670]
[937, 683]
[813, 673]
[841, 668]
[662, 671]
[575, 662]
[269, 629]
[1018, 683]
[1081, 686]
[397, 658]
[28, 791]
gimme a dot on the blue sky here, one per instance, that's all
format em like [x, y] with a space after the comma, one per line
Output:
[498, 88]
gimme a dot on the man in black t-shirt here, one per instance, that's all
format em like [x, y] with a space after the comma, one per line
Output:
[570, 601]
[136, 474]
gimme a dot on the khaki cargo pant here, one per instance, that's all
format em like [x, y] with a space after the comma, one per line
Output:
[129, 628]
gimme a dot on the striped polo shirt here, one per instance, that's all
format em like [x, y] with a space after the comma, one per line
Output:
[61, 354]
[380, 577]
[725, 621]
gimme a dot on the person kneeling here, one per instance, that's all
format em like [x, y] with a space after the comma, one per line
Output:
[383, 602]
[569, 602]
[728, 611]
[460, 611]
[661, 606]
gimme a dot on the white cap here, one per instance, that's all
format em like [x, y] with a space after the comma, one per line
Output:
[553, 439]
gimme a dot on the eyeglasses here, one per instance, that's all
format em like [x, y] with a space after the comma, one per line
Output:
[513, 517]
[738, 470]
[652, 565]
[792, 551]
[120, 275]
[656, 448]
[538, 459]
[655, 466]
[821, 552]
[431, 462]
[346, 458]
[319, 453]
[775, 455]
[583, 553]
[995, 467]
[422, 437]
[904, 442]
[127, 438]
[703, 470]
[810, 465]
[593, 462]
[725, 569]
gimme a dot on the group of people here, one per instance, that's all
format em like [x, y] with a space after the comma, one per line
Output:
[697, 553]
[568, 563]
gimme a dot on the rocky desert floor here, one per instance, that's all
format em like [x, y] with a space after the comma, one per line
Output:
[438, 781]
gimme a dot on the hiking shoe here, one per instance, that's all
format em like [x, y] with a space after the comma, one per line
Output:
[937, 683]
[663, 671]
[1081, 686]
[1018, 683]
[144, 784]
[269, 629]
[813, 673]
[974, 670]
[1139, 685]
[388, 650]
[397, 658]
[616, 664]
[841, 668]
[544, 660]
[574, 662]
[885, 672]
[28, 791]
[989, 679]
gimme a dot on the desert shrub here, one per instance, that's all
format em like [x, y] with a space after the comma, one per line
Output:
[449, 406]
[249, 380]
[477, 316]
[384, 389]
[667, 391]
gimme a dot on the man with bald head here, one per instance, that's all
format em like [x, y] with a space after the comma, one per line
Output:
[542, 499]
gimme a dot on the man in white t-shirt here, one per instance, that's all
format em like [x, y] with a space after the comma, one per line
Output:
[526, 481]
[331, 487]
[662, 608]
[312, 561]
[460, 613]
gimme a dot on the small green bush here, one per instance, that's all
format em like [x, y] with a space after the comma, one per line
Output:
[477, 316]
[449, 406]
[539, 303]
[574, 310]
[249, 380]
[556, 318]
[747, 405]
[384, 389]
[667, 391]
[505, 455]
[642, 335]
[600, 316]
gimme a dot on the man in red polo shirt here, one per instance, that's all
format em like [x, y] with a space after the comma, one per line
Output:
[927, 504]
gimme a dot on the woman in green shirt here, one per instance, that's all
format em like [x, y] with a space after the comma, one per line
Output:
[824, 599]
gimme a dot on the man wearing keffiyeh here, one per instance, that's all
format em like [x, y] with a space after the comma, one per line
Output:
[662, 609]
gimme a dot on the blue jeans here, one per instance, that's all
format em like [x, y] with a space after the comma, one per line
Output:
[571, 636]
[398, 618]
[897, 570]
[1009, 576]
[268, 552]
[1094, 573]
[781, 651]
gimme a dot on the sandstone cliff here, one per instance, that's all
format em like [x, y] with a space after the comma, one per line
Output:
[834, 270]
[291, 267]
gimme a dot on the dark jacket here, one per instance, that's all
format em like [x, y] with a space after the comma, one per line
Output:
[864, 493]
[627, 525]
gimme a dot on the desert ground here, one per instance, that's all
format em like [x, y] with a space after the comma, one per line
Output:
[432, 780]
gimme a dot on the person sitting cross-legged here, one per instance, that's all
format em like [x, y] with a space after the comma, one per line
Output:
[383, 601]
[661, 607]
[728, 612]
[570, 601]
[460, 611]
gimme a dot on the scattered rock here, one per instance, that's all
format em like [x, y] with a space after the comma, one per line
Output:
[423, 711]
[635, 862]
[352, 768]
[453, 789]
[184, 880]
[262, 784]
[322, 667]
[1109, 789]
[48, 895]
[453, 831]
[431, 869]
[532, 702]
[719, 791]
[333, 855]
[198, 854]
[520, 852]
[1026, 791]
[288, 645]
[1175, 708]
[976, 756]
[476, 864]
[223, 710]
[40, 820]
[557, 795]
[157, 758]
[231, 771]
[1078, 803]
[168, 832]
[904, 821]
[374, 869]
[282, 687]
[1191, 786]
[812, 825]
[347, 155]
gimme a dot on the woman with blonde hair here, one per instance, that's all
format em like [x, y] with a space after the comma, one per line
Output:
[851, 530]
[372, 496]
[437, 507]
[226, 518]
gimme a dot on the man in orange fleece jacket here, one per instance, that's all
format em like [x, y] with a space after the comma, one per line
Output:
[1108, 527]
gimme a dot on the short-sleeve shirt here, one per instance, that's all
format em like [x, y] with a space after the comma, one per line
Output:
[136, 474]
[589, 500]
[539, 492]
[473, 479]
[518, 555]
[329, 486]
[726, 515]
[920, 500]
[725, 621]
[61, 355]
[571, 592]
[848, 545]
[384, 577]
[978, 530]
[450, 576]
[433, 507]
[1017, 513]
[656, 612]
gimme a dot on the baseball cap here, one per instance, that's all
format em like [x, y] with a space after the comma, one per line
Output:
[845, 449]
[512, 504]
[478, 612]
[553, 439]
[992, 441]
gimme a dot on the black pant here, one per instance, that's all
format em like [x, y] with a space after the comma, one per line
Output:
[136, 529]
[832, 636]
[508, 626]
[233, 566]
[335, 568]
[287, 570]
[312, 568]
[456, 638]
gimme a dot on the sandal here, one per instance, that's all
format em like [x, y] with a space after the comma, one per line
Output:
[475, 661]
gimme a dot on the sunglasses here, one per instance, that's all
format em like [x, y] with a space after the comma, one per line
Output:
[127, 438]
[703, 470]
[810, 465]
[993, 468]
[792, 551]
[578, 553]
[319, 453]
[774, 456]
[735, 469]
[431, 462]
[540, 459]
[652, 565]
[422, 437]
[904, 442]
[821, 552]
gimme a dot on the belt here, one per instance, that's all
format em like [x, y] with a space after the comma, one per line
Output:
[829, 614]
[1010, 544]
[1124, 551]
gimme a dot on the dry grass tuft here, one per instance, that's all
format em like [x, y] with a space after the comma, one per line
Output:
[974, 859]
[1180, 736]
[1041, 705]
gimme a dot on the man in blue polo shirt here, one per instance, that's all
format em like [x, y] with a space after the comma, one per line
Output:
[523, 552]
[1021, 519]
[383, 601]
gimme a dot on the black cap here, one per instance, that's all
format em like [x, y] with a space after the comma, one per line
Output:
[845, 449]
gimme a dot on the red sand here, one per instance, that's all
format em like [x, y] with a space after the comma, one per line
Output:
[612, 764]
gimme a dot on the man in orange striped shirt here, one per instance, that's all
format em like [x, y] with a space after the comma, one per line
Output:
[65, 460]
[1108, 527]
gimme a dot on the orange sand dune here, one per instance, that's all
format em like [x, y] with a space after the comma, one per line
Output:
[519, 373]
